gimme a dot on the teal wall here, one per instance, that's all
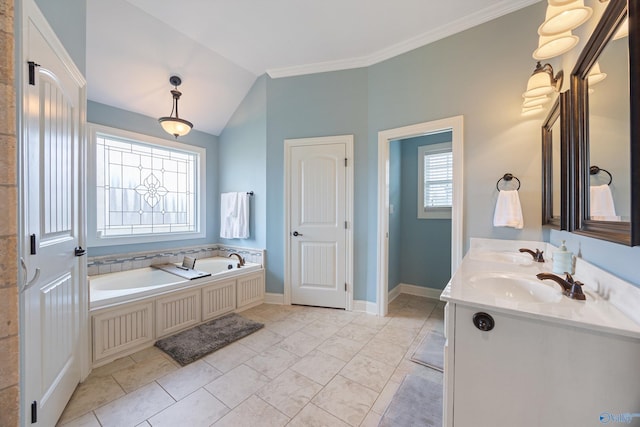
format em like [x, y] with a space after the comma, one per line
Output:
[310, 106]
[68, 18]
[395, 214]
[241, 164]
[425, 252]
[121, 119]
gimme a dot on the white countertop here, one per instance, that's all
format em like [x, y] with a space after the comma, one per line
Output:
[612, 305]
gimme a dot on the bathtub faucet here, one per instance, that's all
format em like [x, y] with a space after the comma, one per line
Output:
[240, 259]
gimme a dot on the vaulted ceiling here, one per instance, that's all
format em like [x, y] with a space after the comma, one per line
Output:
[219, 47]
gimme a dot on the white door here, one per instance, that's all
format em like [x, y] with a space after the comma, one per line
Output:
[53, 285]
[319, 223]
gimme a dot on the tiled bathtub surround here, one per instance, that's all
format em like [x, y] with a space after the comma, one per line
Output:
[132, 260]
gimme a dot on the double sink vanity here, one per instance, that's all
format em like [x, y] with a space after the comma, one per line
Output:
[520, 352]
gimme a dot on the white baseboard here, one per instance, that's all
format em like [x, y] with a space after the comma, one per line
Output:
[419, 291]
[365, 307]
[395, 293]
[270, 298]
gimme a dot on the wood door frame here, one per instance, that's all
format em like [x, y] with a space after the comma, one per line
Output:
[28, 10]
[456, 126]
[349, 195]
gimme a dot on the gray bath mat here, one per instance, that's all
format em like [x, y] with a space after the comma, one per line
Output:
[417, 403]
[190, 345]
[430, 352]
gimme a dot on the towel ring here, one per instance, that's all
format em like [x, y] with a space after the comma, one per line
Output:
[594, 170]
[508, 177]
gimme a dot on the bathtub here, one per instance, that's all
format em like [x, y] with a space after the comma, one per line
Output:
[130, 310]
[113, 288]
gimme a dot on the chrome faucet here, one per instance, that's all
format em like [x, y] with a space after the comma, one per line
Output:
[570, 288]
[537, 255]
[240, 259]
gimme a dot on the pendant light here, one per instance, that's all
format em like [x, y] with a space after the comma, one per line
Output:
[564, 16]
[175, 125]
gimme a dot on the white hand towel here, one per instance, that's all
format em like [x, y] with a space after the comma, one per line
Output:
[601, 205]
[508, 211]
[234, 215]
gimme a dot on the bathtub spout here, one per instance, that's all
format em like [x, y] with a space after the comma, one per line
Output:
[240, 259]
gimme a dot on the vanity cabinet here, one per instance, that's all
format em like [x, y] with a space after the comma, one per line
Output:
[535, 372]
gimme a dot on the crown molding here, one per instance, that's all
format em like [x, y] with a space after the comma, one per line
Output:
[485, 15]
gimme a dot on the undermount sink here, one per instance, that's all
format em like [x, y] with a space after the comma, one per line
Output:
[515, 287]
[503, 257]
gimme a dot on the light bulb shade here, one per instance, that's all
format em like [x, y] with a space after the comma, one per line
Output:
[595, 75]
[175, 126]
[530, 111]
[564, 17]
[550, 46]
[623, 30]
[535, 101]
[539, 84]
[559, 2]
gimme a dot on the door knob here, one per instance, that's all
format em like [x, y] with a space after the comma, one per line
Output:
[78, 251]
[296, 234]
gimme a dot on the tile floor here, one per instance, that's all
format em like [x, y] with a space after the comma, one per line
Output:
[308, 367]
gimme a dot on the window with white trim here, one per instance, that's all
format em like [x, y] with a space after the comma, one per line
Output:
[435, 181]
[146, 188]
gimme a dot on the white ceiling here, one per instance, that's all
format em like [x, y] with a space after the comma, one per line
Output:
[219, 47]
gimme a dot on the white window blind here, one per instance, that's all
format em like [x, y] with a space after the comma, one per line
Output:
[435, 181]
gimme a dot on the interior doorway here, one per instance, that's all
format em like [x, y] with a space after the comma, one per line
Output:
[454, 125]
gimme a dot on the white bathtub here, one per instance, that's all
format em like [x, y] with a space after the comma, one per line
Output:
[130, 310]
[113, 288]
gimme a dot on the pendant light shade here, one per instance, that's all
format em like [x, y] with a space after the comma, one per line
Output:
[550, 46]
[564, 17]
[174, 125]
[542, 82]
[535, 101]
[530, 111]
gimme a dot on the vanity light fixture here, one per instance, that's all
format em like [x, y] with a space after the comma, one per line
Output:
[564, 16]
[595, 75]
[175, 125]
[550, 46]
[542, 81]
[623, 30]
[530, 111]
[535, 101]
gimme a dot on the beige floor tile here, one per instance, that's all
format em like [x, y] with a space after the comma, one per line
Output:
[299, 343]
[261, 340]
[414, 323]
[112, 367]
[346, 400]
[286, 326]
[305, 316]
[272, 362]
[188, 379]
[87, 420]
[371, 321]
[368, 372]
[357, 333]
[319, 367]
[384, 351]
[400, 336]
[199, 409]
[148, 353]
[236, 385]
[320, 329]
[312, 416]
[342, 348]
[144, 424]
[144, 372]
[273, 314]
[371, 420]
[385, 397]
[135, 407]
[229, 357]
[91, 394]
[253, 412]
[408, 367]
[290, 392]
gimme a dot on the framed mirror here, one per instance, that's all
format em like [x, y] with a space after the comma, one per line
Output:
[555, 165]
[606, 129]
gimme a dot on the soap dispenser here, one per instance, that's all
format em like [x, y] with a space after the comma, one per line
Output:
[562, 260]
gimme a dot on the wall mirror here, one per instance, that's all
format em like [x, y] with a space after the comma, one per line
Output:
[555, 179]
[606, 122]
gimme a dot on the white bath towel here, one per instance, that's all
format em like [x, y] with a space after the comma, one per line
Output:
[601, 205]
[234, 215]
[508, 211]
